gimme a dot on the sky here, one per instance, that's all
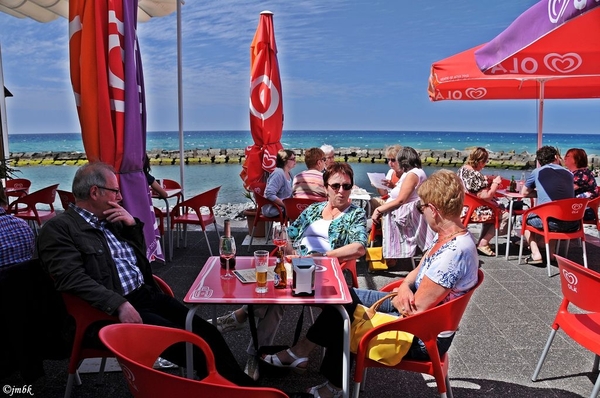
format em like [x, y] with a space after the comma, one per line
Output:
[344, 64]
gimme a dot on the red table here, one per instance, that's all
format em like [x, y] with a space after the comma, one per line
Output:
[330, 288]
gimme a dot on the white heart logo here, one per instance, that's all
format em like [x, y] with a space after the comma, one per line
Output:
[570, 277]
[556, 9]
[565, 63]
[476, 93]
[576, 206]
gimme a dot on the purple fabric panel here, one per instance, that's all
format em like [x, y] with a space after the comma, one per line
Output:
[537, 21]
[133, 180]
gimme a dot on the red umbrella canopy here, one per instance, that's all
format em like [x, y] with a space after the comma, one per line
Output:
[459, 78]
[550, 38]
[107, 79]
[266, 105]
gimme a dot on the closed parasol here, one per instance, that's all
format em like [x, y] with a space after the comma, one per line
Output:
[106, 73]
[266, 106]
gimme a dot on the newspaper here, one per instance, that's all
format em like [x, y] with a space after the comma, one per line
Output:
[376, 179]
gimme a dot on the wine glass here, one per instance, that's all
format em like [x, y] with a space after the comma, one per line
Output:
[280, 236]
[300, 249]
[227, 251]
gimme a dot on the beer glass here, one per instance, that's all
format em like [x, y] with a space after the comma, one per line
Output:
[261, 264]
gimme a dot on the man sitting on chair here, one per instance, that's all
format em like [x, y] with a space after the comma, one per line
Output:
[549, 182]
[95, 250]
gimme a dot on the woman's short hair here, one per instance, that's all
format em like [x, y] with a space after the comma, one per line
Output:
[408, 158]
[546, 155]
[312, 157]
[87, 176]
[392, 151]
[327, 149]
[282, 156]
[579, 157]
[338, 168]
[477, 155]
[444, 189]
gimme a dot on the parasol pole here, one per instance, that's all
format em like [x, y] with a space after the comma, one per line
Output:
[3, 121]
[540, 114]
[180, 96]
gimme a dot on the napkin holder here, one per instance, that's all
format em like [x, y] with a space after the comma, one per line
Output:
[303, 270]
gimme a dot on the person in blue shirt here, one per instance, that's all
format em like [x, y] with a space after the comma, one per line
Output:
[16, 237]
[548, 182]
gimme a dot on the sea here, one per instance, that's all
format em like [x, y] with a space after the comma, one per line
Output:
[198, 178]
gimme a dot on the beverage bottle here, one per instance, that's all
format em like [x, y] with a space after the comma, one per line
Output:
[227, 233]
[513, 184]
[280, 279]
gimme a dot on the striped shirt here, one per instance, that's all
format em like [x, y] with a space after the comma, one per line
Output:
[308, 184]
[122, 253]
[16, 239]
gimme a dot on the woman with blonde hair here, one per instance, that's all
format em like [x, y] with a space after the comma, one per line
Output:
[484, 188]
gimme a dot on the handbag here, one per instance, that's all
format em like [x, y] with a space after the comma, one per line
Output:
[374, 255]
[388, 347]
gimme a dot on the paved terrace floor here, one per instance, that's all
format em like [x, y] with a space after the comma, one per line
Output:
[494, 354]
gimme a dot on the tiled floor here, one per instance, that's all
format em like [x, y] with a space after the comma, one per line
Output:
[494, 354]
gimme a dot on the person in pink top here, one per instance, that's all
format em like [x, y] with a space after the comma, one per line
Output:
[308, 184]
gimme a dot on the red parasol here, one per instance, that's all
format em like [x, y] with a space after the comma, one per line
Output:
[459, 78]
[106, 73]
[266, 106]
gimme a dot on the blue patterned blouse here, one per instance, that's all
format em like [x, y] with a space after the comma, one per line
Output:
[349, 228]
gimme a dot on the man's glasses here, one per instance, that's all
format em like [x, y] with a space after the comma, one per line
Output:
[420, 206]
[336, 187]
[116, 191]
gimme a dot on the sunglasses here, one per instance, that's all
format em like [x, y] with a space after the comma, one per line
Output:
[392, 160]
[336, 187]
[420, 206]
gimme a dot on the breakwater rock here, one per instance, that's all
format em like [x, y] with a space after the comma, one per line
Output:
[434, 158]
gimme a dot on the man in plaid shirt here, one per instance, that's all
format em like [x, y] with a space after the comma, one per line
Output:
[96, 251]
[16, 237]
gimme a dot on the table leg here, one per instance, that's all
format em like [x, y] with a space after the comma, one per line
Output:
[510, 211]
[189, 352]
[346, 357]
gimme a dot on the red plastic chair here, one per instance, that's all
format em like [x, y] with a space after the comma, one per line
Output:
[295, 206]
[565, 210]
[137, 346]
[172, 184]
[580, 287]
[260, 202]
[189, 212]
[17, 187]
[85, 315]
[65, 197]
[472, 202]
[594, 204]
[30, 212]
[426, 325]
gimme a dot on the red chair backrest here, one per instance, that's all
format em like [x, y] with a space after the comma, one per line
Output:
[594, 204]
[21, 184]
[45, 196]
[565, 210]
[472, 202]
[137, 346]
[204, 199]
[65, 197]
[170, 184]
[579, 285]
[295, 206]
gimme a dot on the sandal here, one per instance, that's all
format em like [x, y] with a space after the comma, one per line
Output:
[335, 393]
[529, 260]
[295, 366]
[486, 251]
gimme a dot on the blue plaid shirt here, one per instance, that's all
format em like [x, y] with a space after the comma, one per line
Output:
[123, 255]
[16, 239]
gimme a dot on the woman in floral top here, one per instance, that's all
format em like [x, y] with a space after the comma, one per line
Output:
[485, 188]
[585, 183]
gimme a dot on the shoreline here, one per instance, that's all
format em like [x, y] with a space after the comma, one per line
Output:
[434, 158]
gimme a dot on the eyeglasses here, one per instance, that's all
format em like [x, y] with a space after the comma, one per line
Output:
[420, 206]
[323, 159]
[116, 191]
[392, 160]
[336, 187]
[330, 157]
[292, 159]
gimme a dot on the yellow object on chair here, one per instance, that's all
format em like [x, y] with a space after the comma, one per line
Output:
[374, 258]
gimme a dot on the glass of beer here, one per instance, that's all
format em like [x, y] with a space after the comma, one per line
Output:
[261, 263]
